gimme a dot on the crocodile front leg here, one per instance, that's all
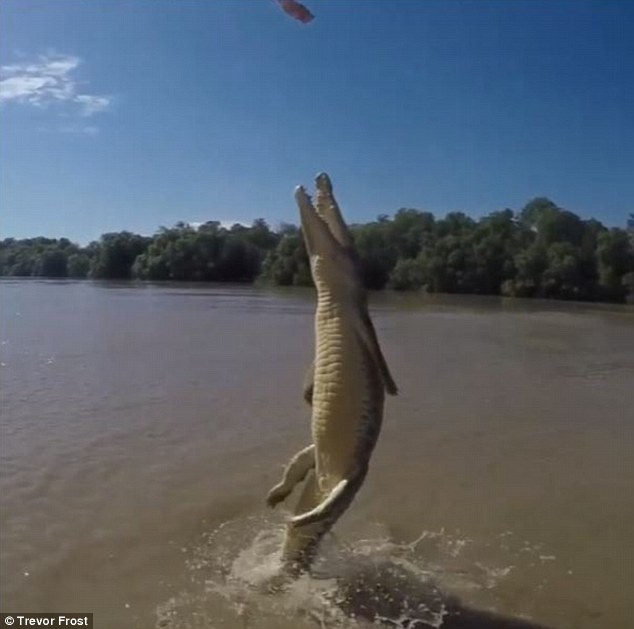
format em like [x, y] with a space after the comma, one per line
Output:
[294, 473]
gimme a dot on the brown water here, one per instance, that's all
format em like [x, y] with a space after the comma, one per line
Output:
[142, 427]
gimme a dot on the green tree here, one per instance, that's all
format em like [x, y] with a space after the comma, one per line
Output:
[116, 255]
[532, 212]
[410, 231]
[530, 265]
[544, 251]
[562, 277]
[239, 260]
[615, 257]
[52, 262]
[288, 264]
[260, 236]
[496, 240]
[408, 274]
[377, 252]
[78, 265]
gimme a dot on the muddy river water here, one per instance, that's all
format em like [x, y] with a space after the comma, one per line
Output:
[141, 427]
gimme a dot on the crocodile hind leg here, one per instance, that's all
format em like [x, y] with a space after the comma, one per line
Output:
[301, 542]
[294, 473]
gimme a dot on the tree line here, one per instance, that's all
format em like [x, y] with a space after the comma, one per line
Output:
[540, 251]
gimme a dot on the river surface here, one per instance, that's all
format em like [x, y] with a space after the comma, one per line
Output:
[143, 425]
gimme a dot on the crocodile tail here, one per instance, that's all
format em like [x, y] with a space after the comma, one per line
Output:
[337, 501]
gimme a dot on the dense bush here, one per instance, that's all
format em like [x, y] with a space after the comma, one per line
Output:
[540, 251]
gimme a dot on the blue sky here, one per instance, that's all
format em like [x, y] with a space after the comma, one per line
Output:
[130, 114]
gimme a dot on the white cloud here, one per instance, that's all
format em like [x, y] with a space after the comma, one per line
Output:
[227, 224]
[46, 82]
[92, 104]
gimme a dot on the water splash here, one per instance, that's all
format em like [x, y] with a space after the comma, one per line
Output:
[373, 582]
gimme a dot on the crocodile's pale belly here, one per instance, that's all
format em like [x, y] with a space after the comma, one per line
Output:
[347, 409]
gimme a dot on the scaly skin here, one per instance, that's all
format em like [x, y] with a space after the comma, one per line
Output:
[346, 386]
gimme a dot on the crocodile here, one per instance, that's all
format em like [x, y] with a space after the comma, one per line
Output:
[345, 385]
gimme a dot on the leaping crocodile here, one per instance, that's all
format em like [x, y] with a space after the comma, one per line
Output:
[346, 384]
